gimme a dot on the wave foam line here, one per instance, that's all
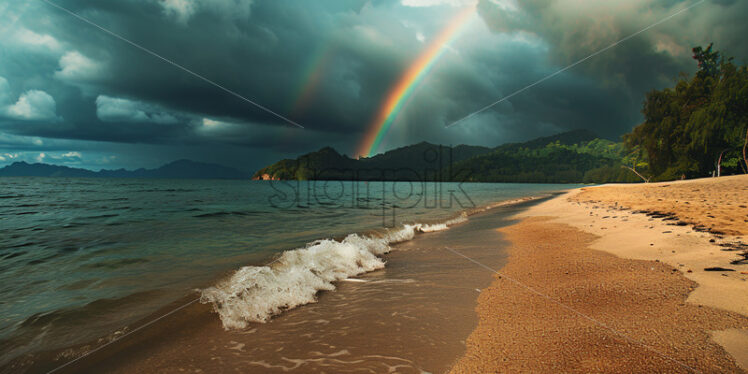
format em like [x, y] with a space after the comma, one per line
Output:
[256, 293]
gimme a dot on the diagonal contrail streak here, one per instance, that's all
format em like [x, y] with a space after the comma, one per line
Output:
[170, 62]
[571, 66]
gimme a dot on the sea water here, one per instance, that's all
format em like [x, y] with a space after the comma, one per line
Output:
[82, 257]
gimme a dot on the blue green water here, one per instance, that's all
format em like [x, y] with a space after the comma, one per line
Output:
[80, 258]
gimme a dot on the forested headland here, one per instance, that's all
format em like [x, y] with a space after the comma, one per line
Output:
[698, 128]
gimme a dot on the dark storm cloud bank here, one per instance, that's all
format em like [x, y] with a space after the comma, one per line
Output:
[605, 93]
[108, 91]
[260, 49]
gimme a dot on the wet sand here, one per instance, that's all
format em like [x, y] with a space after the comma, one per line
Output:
[595, 280]
[611, 290]
[411, 317]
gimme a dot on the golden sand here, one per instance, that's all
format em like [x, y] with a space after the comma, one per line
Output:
[626, 291]
[717, 204]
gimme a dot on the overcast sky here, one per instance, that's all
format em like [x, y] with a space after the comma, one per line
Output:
[72, 94]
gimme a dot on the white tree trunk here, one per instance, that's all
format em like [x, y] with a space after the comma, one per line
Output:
[646, 180]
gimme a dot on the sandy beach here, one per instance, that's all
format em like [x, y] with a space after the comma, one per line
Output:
[621, 278]
[614, 278]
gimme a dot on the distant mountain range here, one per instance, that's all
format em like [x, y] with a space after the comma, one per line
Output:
[570, 157]
[181, 169]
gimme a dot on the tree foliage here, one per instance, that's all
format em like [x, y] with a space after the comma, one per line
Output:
[687, 127]
[593, 161]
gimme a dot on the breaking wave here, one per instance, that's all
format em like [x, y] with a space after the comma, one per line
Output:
[256, 293]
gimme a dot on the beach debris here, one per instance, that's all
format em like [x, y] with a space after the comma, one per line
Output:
[740, 261]
[656, 214]
[735, 246]
[718, 268]
[701, 228]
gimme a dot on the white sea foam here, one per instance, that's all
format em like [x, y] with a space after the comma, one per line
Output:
[256, 293]
[442, 226]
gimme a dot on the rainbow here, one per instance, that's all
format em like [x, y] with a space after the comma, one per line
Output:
[407, 83]
[312, 76]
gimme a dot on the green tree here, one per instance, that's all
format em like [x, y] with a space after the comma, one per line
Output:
[708, 60]
[687, 128]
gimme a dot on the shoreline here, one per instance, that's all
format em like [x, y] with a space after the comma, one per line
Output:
[131, 351]
[615, 289]
[641, 274]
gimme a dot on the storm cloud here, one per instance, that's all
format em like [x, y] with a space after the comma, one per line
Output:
[68, 88]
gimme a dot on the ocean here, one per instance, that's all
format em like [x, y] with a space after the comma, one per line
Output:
[82, 258]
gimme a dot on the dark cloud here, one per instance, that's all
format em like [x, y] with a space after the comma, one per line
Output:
[68, 87]
[621, 75]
